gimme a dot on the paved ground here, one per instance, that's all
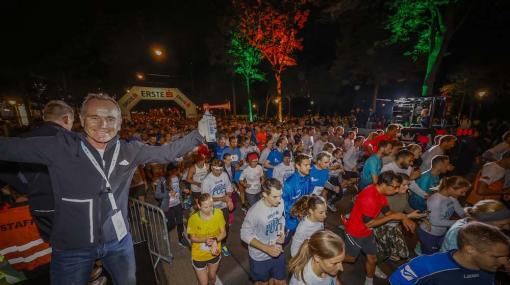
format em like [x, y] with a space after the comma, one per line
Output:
[234, 269]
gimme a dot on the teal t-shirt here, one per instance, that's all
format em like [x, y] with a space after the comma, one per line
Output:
[425, 181]
[372, 167]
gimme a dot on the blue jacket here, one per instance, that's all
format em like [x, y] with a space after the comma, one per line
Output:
[439, 268]
[82, 209]
[295, 187]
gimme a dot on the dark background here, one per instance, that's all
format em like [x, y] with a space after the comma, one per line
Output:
[67, 49]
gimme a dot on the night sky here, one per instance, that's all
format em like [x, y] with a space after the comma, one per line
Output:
[76, 47]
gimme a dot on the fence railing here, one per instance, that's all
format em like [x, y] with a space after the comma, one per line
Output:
[148, 224]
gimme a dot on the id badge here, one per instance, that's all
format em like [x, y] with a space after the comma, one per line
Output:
[205, 247]
[119, 225]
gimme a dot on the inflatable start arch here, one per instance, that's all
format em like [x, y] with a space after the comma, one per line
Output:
[139, 93]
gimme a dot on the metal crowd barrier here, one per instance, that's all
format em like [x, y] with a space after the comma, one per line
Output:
[148, 224]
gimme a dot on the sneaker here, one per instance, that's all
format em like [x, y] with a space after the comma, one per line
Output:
[332, 208]
[379, 273]
[225, 251]
[184, 242]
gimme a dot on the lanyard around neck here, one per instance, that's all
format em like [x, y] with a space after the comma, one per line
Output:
[99, 168]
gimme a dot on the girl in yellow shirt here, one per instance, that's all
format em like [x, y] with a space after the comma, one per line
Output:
[206, 229]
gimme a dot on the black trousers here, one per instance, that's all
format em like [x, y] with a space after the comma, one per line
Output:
[174, 218]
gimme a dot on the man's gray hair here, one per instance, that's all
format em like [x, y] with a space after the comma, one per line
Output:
[98, 96]
[56, 109]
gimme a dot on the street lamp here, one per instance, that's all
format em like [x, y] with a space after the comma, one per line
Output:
[140, 76]
[482, 93]
[157, 52]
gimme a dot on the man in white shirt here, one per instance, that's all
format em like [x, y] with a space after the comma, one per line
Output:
[319, 144]
[352, 155]
[493, 181]
[446, 143]
[285, 169]
[262, 230]
[497, 151]
[403, 164]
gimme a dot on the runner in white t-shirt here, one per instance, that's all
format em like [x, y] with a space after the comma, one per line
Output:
[285, 169]
[252, 178]
[403, 164]
[319, 260]
[311, 211]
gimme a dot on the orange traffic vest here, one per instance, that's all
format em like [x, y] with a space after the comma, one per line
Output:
[496, 189]
[20, 242]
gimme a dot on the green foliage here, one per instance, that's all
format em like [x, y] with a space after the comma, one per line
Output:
[246, 59]
[418, 22]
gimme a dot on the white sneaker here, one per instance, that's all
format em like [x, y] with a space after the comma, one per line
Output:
[379, 273]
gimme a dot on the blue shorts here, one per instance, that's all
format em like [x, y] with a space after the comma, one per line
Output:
[430, 244]
[273, 268]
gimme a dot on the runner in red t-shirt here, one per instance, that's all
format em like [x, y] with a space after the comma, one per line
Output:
[364, 216]
[391, 134]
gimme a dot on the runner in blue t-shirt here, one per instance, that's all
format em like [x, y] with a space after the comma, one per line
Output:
[421, 189]
[319, 174]
[373, 165]
[483, 250]
[275, 157]
[234, 151]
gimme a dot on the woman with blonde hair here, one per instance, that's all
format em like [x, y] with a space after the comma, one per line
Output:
[490, 212]
[319, 260]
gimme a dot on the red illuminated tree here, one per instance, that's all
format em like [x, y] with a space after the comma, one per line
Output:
[272, 27]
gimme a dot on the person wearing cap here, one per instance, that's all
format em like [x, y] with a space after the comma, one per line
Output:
[285, 169]
[490, 212]
[252, 178]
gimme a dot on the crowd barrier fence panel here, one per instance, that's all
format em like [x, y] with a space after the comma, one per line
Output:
[148, 224]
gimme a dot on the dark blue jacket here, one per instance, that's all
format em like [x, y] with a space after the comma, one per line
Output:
[33, 180]
[82, 209]
[439, 268]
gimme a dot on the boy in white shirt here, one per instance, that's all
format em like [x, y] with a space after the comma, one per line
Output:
[252, 178]
[285, 169]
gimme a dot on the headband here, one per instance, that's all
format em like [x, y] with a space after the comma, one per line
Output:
[502, 214]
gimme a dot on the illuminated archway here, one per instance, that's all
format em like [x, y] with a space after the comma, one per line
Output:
[139, 93]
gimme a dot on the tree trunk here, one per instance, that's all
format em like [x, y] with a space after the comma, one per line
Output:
[268, 101]
[234, 101]
[290, 100]
[441, 37]
[375, 95]
[250, 105]
[278, 78]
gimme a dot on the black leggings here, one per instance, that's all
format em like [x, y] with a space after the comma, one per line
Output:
[174, 218]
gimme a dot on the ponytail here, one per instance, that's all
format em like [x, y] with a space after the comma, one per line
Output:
[323, 244]
[297, 263]
[455, 182]
[304, 204]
